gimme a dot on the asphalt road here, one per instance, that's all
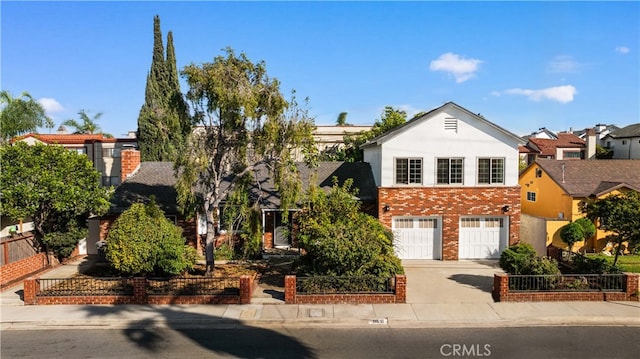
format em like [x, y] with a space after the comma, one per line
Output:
[352, 343]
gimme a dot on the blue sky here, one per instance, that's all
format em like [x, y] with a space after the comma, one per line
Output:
[522, 65]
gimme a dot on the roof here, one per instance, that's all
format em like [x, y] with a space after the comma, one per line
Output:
[626, 132]
[153, 178]
[547, 147]
[592, 177]
[67, 139]
[392, 133]
[158, 179]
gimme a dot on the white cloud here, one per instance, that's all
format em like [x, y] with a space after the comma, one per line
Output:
[50, 105]
[622, 49]
[563, 64]
[562, 94]
[461, 68]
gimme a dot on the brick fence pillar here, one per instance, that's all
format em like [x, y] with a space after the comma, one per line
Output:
[500, 287]
[632, 287]
[30, 291]
[401, 288]
[140, 290]
[290, 289]
[245, 289]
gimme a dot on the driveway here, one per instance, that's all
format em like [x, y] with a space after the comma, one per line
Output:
[465, 281]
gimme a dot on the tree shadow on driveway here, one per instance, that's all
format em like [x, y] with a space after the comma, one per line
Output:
[482, 282]
[218, 335]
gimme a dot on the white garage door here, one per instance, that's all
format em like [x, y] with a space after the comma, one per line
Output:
[417, 237]
[482, 237]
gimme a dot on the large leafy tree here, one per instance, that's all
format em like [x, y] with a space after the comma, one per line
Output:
[246, 123]
[163, 121]
[339, 239]
[390, 119]
[620, 215]
[20, 115]
[49, 184]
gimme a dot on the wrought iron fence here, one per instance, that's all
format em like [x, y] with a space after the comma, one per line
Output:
[567, 283]
[343, 285]
[193, 286]
[85, 286]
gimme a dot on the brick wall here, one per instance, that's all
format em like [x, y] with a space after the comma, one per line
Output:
[22, 268]
[450, 203]
[292, 297]
[247, 286]
[501, 293]
[130, 161]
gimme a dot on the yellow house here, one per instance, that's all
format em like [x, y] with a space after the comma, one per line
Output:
[556, 190]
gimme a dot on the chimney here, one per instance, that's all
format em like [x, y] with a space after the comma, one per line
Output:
[130, 163]
[590, 137]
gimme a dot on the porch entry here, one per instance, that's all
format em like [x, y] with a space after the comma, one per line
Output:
[273, 224]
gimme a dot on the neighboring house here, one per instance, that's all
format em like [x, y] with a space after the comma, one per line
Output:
[565, 146]
[557, 190]
[330, 139]
[601, 130]
[448, 185]
[103, 152]
[158, 179]
[624, 142]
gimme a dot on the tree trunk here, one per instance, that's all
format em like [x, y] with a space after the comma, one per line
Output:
[210, 242]
[615, 259]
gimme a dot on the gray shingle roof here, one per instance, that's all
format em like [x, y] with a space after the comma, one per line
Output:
[158, 179]
[626, 132]
[583, 178]
[153, 178]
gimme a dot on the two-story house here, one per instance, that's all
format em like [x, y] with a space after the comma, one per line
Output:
[624, 142]
[448, 185]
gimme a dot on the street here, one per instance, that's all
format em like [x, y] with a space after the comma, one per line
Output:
[378, 342]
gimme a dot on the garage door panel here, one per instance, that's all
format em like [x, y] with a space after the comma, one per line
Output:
[482, 238]
[417, 238]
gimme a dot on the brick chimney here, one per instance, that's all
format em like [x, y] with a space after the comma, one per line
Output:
[590, 137]
[130, 160]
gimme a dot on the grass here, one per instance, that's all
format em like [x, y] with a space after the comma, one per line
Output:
[627, 263]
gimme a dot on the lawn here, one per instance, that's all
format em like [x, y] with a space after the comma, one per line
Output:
[628, 263]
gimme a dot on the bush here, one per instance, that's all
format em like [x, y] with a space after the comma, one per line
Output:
[63, 243]
[224, 252]
[143, 241]
[585, 265]
[522, 259]
[571, 233]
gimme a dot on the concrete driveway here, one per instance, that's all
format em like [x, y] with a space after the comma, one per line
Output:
[440, 282]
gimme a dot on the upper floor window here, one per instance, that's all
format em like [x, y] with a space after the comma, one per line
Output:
[449, 171]
[408, 170]
[491, 170]
[531, 196]
[624, 142]
[572, 154]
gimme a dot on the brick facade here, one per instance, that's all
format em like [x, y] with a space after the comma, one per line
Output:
[292, 297]
[22, 268]
[501, 292]
[247, 286]
[450, 203]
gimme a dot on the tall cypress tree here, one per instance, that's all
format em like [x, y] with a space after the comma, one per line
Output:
[161, 132]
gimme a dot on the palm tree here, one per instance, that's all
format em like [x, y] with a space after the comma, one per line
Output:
[88, 124]
[19, 115]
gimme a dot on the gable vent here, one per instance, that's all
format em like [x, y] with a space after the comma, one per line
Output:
[451, 124]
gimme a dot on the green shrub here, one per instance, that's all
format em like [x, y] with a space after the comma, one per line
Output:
[63, 243]
[571, 233]
[585, 265]
[143, 241]
[522, 259]
[224, 252]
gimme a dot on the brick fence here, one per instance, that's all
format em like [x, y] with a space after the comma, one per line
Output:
[32, 286]
[22, 268]
[501, 292]
[292, 297]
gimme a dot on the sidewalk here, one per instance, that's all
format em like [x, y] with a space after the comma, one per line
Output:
[14, 315]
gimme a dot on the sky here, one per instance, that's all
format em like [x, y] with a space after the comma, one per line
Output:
[522, 65]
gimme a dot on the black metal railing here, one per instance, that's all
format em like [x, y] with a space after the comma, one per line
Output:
[193, 286]
[344, 285]
[567, 283]
[85, 286]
